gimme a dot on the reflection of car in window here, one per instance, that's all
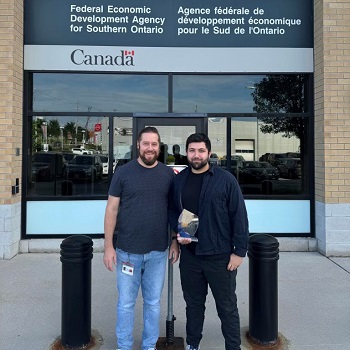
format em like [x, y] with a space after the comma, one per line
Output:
[214, 159]
[275, 158]
[289, 168]
[85, 167]
[235, 157]
[68, 156]
[47, 165]
[104, 160]
[81, 151]
[256, 172]
[235, 166]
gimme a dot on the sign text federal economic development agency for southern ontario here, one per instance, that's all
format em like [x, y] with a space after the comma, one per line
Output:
[212, 22]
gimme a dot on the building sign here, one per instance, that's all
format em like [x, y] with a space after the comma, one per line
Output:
[130, 35]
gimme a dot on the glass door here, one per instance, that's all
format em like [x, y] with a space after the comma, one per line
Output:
[173, 133]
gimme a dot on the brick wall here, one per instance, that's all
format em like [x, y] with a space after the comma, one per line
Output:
[11, 86]
[332, 101]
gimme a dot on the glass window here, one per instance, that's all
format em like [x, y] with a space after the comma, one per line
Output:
[66, 156]
[268, 155]
[217, 135]
[238, 93]
[65, 92]
[173, 143]
[122, 141]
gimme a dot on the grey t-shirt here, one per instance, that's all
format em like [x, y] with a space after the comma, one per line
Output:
[142, 221]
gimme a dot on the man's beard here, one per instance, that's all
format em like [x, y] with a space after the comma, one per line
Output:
[198, 165]
[149, 161]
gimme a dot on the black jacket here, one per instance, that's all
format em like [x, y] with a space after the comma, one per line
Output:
[223, 221]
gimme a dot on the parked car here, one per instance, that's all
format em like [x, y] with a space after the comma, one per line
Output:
[104, 160]
[81, 150]
[235, 157]
[68, 156]
[275, 158]
[214, 159]
[235, 166]
[85, 167]
[272, 171]
[105, 163]
[290, 168]
[256, 172]
[47, 165]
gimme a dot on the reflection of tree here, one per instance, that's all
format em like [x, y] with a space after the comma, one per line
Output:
[53, 128]
[280, 94]
[69, 131]
[37, 134]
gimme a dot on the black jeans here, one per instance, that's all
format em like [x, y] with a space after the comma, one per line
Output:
[197, 272]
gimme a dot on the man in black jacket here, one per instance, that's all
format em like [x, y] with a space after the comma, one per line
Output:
[215, 196]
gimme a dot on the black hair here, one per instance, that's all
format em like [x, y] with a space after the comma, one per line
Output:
[199, 137]
[148, 129]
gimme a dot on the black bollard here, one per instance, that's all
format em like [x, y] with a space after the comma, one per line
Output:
[263, 289]
[76, 255]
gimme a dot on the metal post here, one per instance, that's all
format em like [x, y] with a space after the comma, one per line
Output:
[170, 316]
[76, 255]
[170, 342]
[263, 290]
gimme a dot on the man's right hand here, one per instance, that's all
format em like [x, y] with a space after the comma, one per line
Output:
[110, 258]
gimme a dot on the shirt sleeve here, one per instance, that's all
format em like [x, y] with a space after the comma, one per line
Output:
[115, 188]
[239, 221]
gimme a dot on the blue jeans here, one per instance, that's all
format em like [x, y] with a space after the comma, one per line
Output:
[149, 273]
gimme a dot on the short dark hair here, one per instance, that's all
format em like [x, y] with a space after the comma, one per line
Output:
[148, 129]
[199, 137]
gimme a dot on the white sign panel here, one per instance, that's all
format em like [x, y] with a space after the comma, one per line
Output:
[167, 59]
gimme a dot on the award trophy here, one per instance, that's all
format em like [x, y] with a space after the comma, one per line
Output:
[187, 225]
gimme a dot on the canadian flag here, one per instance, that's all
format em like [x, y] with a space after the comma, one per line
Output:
[129, 53]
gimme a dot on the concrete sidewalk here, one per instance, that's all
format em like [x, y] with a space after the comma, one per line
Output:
[314, 303]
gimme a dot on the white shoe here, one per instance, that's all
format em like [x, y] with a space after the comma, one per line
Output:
[190, 347]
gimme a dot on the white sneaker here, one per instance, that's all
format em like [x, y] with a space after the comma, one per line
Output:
[190, 347]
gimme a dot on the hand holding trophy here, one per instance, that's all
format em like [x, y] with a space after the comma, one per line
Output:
[187, 225]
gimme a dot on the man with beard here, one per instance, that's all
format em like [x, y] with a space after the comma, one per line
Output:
[214, 195]
[138, 205]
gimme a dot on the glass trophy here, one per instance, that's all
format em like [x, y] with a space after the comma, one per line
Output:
[187, 225]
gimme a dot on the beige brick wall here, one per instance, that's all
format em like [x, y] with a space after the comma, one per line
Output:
[332, 101]
[11, 86]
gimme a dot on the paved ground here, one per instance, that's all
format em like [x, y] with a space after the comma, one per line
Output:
[313, 302]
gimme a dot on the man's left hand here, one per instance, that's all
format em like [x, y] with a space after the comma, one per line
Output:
[235, 262]
[174, 251]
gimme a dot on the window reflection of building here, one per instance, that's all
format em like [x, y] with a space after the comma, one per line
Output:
[122, 140]
[271, 148]
[217, 135]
